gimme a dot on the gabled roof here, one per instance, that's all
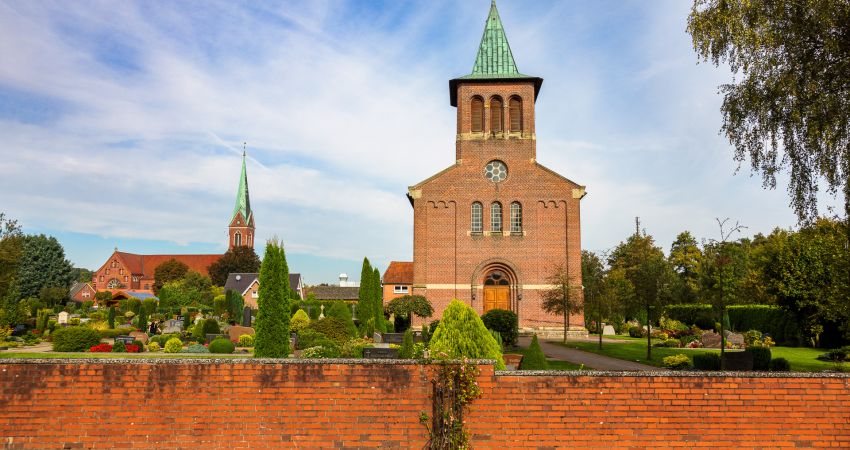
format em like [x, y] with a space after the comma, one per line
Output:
[245, 280]
[335, 292]
[399, 272]
[495, 60]
[243, 201]
[145, 264]
[76, 288]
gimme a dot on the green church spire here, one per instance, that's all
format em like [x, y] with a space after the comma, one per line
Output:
[243, 202]
[494, 54]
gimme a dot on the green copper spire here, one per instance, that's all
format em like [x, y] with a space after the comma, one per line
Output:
[243, 202]
[494, 54]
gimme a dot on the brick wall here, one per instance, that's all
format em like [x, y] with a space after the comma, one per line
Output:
[255, 404]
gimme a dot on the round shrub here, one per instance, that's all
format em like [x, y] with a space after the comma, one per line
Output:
[637, 332]
[221, 345]
[174, 345]
[354, 348]
[669, 343]
[534, 359]
[505, 322]
[707, 361]
[195, 348]
[320, 352]
[299, 321]
[780, 365]
[307, 338]
[761, 357]
[462, 334]
[246, 340]
[677, 362]
[119, 347]
[334, 328]
[75, 339]
[154, 347]
[342, 312]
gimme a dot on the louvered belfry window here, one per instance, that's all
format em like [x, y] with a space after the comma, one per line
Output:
[496, 122]
[496, 217]
[515, 108]
[477, 114]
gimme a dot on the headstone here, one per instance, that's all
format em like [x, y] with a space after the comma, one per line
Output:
[125, 339]
[377, 338]
[608, 330]
[246, 317]
[737, 360]
[733, 338]
[321, 312]
[63, 318]
[235, 331]
[710, 339]
[380, 353]
[392, 338]
[140, 336]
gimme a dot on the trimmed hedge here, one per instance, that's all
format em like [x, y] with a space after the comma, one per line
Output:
[221, 345]
[768, 319]
[761, 357]
[75, 339]
[505, 322]
[780, 365]
[707, 361]
[334, 328]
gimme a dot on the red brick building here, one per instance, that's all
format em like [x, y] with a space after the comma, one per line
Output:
[398, 280]
[492, 227]
[135, 272]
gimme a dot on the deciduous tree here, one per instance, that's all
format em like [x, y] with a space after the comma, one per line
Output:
[43, 264]
[171, 270]
[236, 260]
[564, 298]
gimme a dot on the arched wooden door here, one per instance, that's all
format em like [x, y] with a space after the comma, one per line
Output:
[497, 291]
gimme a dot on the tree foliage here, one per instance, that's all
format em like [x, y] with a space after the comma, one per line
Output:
[685, 257]
[534, 359]
[235, 305]
[364, 301]
[564, 298]
[240, 259]
[43, 264]
[790, 106]
[408, 305]
[168, 271]
[378, 302]
[193, 290]
[272, 324]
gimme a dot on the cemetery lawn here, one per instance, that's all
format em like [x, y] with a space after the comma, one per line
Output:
[802, 359]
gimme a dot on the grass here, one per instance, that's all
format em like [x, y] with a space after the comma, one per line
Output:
[554, 364]
[801, 359]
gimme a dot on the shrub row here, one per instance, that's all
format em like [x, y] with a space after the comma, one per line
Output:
[768, 319]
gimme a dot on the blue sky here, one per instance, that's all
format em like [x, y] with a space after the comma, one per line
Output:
[123, 122]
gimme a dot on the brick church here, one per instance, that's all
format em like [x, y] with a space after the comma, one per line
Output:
[133, 272]
[491, 228]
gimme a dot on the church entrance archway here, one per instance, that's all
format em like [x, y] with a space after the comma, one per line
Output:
[497, 291]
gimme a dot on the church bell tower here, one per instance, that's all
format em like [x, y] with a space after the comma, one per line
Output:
[241, 229]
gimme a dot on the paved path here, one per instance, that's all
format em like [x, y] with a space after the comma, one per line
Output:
[598, 362]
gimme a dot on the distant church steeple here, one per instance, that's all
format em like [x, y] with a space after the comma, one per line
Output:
[242, 221]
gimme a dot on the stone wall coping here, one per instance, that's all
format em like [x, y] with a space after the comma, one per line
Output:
[414, 362]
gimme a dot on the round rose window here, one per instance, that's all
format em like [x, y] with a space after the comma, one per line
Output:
[496, 171]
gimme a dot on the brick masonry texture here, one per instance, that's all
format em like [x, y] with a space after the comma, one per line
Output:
[449, 261]
[219, 404]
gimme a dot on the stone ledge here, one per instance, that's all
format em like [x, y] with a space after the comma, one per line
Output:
[669, 373]
[233, 361]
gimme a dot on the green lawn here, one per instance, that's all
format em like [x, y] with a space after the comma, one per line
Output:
[553, 364]
[801, 359]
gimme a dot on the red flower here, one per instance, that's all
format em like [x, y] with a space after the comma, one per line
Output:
[101, 348]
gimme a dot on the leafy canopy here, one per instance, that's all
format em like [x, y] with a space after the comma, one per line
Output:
[236, 260]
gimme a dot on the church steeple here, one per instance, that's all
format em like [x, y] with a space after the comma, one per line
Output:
[242, 220]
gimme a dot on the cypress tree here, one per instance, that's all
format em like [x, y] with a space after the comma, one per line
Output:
[534, 359]
[406, 350]
[378, 302]
[364, 304]
[272, 326]
[143, 320]
[111, 317]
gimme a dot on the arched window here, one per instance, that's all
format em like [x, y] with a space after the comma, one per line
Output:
[496, 217]
[477, 218]
[516, 217]
[496, 115]
[477, 114]
[237, 239]
[114, 284]
[515, 110]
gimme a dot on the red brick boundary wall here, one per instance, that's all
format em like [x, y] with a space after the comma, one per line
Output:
[214, 404]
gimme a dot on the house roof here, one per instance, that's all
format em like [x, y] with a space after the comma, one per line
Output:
[399, 272]
[245, 280]
[76, 288]
[334, 292]
[141, 295]
[145, 264]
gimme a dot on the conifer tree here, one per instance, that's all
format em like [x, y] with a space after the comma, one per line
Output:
[143, 320]
[272, 325]
[111, 317]
[364, 304]
[378, 302]
[534, 359]
[462, 334]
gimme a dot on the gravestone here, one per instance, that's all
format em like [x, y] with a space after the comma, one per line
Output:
[737, 360]
[235, 331]
[246, 317]
[608, 330]
[322, 312]
[380, 353]
[710, 339]
[63, 318]
[125, 339]
[392, 338]
[139, 336]
[172, 326]
[733, 338]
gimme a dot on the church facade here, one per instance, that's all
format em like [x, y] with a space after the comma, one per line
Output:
[135, 272]
[493, 227]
